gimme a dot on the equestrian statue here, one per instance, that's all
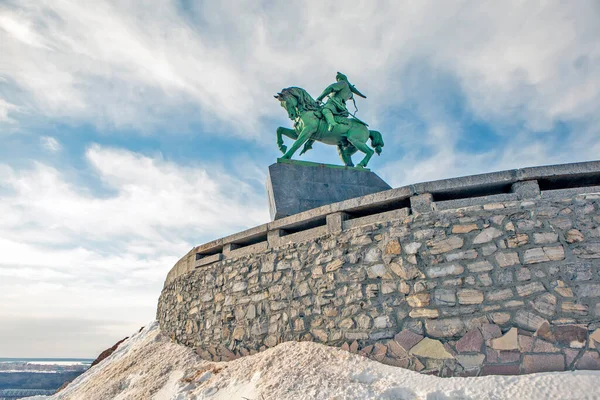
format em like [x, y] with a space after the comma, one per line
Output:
[329, 123]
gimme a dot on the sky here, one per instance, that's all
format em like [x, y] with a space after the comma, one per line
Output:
[131, 131]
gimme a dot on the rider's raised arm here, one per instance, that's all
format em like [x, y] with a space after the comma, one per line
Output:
[334, 87]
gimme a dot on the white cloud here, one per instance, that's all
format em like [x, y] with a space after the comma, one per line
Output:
[5, 109]
[117, 64]
[72, 250]
[50, 144]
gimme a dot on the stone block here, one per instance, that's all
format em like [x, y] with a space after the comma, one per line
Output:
[444, 297]
[422, 203]
[528, 320]
[440, 271]
[424, 313]
[471, 342]
[520, 239]
[500, 318]
[296, 186]
[431, 348]
[509, 356]
[335, 222]
[570, 307]
[470, 296]
[526, 189]
[507, 259]
[544, 254]
[595, 336]
[574, 236]
[405, 271]
[407, 339]
[541, 346]
[487, 235]
[393, 247]
[419, 300]
[466, 228]
[497, 295]
[590, 360]
[395, 350]
[469, 361]
[545, 237]
[545, 304]
[507, 342]
[461, 255]
[445, 245]
[530, 288]
[525, 343]
[480, 266]
[543, 363]
[446, 327]
[574, 336]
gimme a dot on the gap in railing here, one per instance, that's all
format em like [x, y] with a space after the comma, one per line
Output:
[378, 209]
[489, 190]
[212, 252]
[569, 182]
[304, 226]
[250, 241]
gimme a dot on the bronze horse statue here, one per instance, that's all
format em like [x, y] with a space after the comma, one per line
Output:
[349, 135]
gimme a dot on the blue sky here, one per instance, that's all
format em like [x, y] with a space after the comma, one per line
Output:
[131, 133]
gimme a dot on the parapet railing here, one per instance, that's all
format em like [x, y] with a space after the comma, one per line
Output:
[511, 185]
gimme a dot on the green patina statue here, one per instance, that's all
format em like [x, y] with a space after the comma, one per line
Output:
[330, 123]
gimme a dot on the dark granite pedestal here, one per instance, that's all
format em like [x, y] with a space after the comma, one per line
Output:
[296, 186]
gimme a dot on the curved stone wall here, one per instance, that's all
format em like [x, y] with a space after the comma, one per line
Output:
[499, 287]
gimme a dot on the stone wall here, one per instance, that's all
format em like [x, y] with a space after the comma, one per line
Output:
[500, 287]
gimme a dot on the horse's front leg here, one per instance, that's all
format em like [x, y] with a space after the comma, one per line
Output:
[302, 138]
[287, 132]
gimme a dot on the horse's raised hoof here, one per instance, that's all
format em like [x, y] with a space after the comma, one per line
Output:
[283, 148]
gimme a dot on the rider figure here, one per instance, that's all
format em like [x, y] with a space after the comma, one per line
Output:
[339, 92]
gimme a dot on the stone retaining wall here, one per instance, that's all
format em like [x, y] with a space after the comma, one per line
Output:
[501, 287]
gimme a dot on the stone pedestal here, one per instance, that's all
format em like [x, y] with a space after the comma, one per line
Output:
[296, 186]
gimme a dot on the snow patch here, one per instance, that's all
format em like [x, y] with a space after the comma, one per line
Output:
[150, 366]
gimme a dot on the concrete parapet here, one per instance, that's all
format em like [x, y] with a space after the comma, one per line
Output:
[447, 194]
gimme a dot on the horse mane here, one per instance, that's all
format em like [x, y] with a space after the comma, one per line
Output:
[305, 100]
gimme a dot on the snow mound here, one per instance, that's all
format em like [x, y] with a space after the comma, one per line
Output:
[149, 366]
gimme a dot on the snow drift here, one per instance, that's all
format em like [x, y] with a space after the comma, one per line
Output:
[149, 366]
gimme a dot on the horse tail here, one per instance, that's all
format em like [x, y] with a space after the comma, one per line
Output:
[376, 141]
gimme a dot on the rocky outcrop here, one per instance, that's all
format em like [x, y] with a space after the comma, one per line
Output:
[108, 352]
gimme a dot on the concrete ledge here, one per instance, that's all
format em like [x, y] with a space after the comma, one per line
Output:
[468, 186]
[247, 235]
[183, 266]
[381, 217]
[553, 194]
[475, 201]
[208, 260]
[253, 248]
[303, 236]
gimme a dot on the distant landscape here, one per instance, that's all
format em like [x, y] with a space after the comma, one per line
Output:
[22, 377]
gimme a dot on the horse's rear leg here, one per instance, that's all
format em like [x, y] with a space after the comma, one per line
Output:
[345, 152]
[362, 146]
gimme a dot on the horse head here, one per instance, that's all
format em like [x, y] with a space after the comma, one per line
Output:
[289, 103]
